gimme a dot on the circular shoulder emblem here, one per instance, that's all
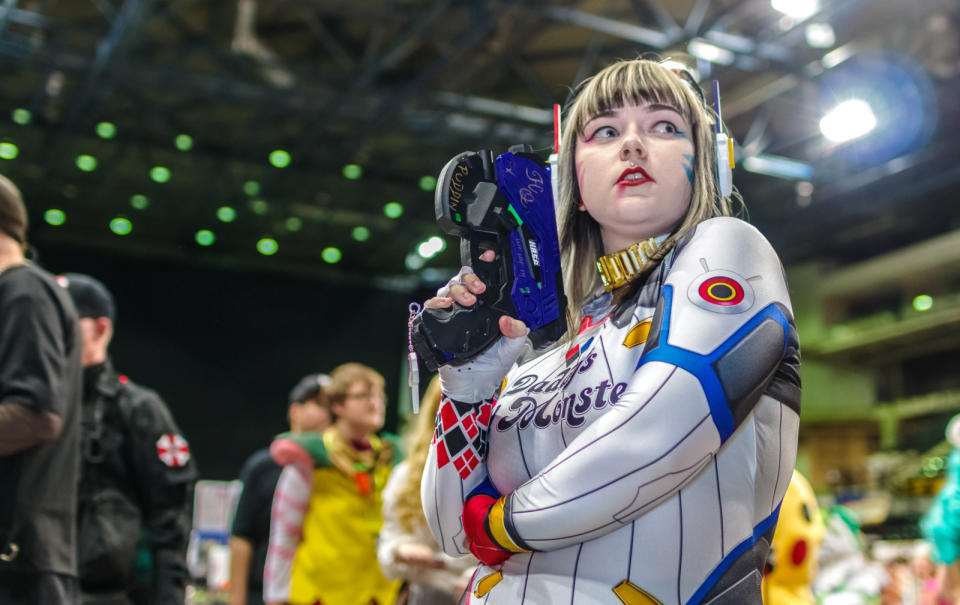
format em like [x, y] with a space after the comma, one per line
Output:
[173, 450]
[721, 292]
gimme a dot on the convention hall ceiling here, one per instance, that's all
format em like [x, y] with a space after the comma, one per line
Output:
[386, 91]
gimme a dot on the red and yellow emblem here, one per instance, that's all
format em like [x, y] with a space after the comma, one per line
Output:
[721, 290]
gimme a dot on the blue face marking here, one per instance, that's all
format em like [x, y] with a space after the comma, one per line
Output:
[688, 166]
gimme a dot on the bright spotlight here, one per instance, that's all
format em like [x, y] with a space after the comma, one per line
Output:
[798, 9]
[820, 35]
[847, 121]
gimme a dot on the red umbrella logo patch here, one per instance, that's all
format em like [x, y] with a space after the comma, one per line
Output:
[173, 450]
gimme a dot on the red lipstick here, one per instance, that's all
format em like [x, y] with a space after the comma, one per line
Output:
[643, 178]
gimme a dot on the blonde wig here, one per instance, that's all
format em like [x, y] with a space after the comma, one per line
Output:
[416, 440]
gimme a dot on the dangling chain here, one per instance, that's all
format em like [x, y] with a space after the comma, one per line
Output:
[413, 371]
[620, 267]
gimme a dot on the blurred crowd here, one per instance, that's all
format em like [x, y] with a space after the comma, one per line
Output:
[98, 485]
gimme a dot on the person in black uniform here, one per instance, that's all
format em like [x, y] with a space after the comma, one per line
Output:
[308, 411]
[39, 422]
[138, 471]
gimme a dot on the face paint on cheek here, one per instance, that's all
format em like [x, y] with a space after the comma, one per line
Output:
[688, 166]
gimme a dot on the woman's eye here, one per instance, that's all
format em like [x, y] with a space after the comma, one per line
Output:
[665, 127]
[604, 132]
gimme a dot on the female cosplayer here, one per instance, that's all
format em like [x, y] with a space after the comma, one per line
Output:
[642, 460]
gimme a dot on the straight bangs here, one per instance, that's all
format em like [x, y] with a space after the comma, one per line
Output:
[633, 83]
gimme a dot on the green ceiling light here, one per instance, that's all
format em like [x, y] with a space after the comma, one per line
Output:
[393, 209]
[160, 174]
[139, 201]
[21, 116]
[923, 303]
[352, 171]
[279, 158]
[259, 207]
[293, 224]
[205, 237]
[428, 183]
[183, 142]
[86, 163]
[121, 226]
[251, 188]
[226, 214]
[55, 217]
[267, 246]
[8, 151]
[331, 255]
[106, 130]
[361, 233]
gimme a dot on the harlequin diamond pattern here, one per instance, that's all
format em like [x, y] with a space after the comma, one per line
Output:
[461, 434]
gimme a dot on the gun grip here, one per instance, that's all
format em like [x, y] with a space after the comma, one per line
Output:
[455, 335]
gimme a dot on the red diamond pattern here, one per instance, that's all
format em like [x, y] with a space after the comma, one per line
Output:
[448, 416]
[461, 434]
[442, 457]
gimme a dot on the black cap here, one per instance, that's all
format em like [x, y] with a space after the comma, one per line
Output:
[309, 387]
[13, 214]
[90, 296]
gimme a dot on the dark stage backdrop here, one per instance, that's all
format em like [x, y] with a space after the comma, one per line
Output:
[224, 346]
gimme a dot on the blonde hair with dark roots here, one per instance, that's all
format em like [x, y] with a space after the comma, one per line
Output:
[416, 440]
[637, 82]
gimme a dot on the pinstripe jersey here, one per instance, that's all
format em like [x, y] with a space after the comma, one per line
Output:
[645, 461]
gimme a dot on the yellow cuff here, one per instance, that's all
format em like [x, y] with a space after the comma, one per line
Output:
[498, 530]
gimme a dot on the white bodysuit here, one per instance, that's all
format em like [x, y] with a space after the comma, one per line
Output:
[645, 462]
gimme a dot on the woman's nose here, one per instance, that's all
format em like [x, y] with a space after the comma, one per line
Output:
[632, 149]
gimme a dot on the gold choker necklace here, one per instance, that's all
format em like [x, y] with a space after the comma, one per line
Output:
[620, 267]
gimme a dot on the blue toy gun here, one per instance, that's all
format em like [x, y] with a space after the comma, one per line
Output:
[503, 204]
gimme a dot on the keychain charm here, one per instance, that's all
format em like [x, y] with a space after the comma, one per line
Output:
[413, 372]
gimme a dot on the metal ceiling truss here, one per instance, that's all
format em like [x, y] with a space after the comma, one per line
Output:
[396, 87]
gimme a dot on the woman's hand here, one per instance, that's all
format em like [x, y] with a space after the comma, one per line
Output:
[478, 379]
[464, 288]
[416, 554]
[476, 509]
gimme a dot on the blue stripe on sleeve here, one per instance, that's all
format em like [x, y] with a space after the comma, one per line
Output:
[701, 366]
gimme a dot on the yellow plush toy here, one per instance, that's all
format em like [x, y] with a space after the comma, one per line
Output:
[795, 544]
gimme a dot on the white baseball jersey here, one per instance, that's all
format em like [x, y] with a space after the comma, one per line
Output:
[645, 462]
